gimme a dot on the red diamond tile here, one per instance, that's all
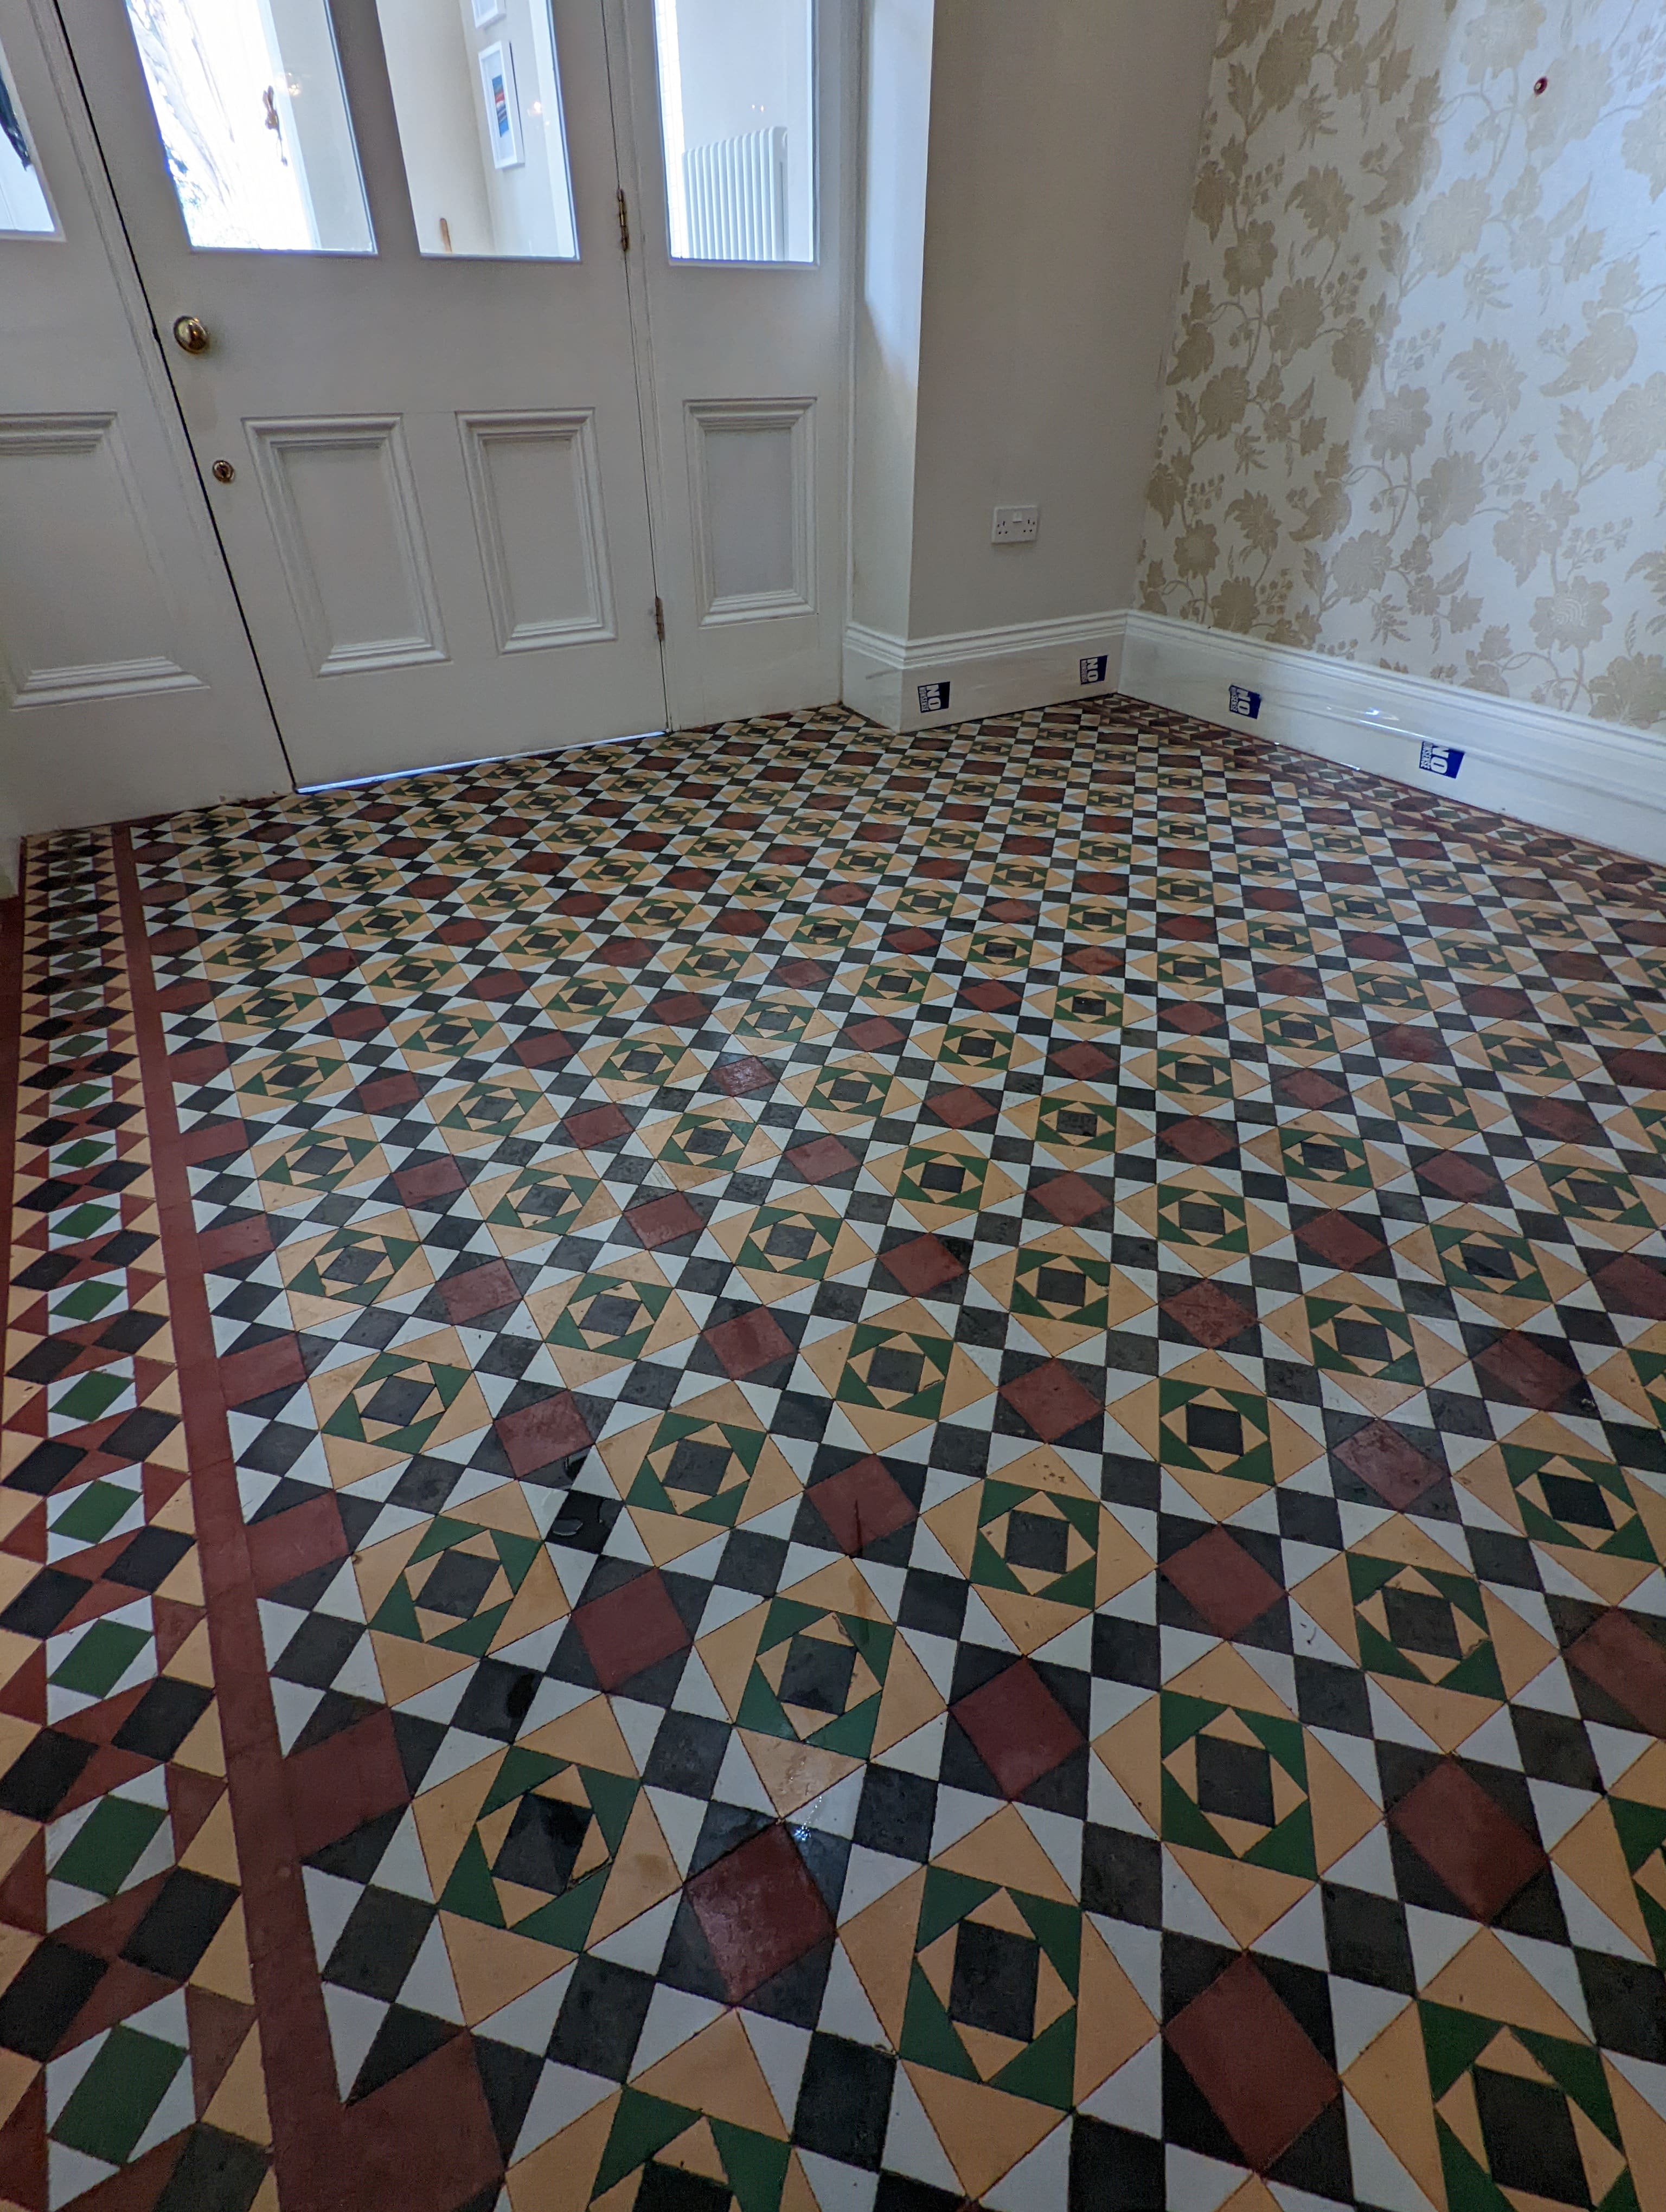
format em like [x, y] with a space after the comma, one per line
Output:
[748, 1342]
[1458, 1177]
[631, 1628]
[1290, 983]
[760, 1912]
[242, 1240]
[1051, 1400]
[991, 996]
[357, 1022]
[742, 1073]
[1366, 945]
[628, 953]
[1527, 1370]
[875, 1034]
[199, 1063]
[1631, 1285]
[352, 1777]
[824, 1159]
[663, 1221]
[429, 1179]
[389, 1094]
[1219, 1580]
[1070, 1199]
[1393, 1466]
[1636, 1070]
[273, 1366]
[923, 1265]
[596, 1125]
[1198, 1140]
[1564, 1121]
[1624, 1660]
[1083, 1061]
[213, 1139]
[962, 1107]
[680, 1010]
[1305, 1086]
[459, 2161]
[538, 1435]
[1469, 1839]
[480, 1291]
[861, 1505]
[295, 1542]
[1018, 1727]
[1254, 2062]
[545, 1051]
[1405, 1042]
[1190, 1018]
[1340, 1240]
[1494, 1002]
[1209, 1313]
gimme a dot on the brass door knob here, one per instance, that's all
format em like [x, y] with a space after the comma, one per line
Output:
[224, 473]
[190, 335]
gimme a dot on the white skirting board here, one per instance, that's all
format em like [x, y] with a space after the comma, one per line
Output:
[988, 672]
[1534, 763]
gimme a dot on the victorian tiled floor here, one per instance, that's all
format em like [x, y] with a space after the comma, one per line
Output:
[827, 1473]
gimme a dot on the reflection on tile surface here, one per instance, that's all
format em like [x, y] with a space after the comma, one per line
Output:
[823, 1474]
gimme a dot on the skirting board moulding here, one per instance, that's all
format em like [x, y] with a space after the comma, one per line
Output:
[1531, 762]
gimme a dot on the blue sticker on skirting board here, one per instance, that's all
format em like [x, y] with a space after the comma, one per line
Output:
[1440, 760]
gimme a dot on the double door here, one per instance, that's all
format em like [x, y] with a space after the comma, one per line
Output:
[509, 341]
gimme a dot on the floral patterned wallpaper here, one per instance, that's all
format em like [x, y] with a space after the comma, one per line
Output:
[1416, 408]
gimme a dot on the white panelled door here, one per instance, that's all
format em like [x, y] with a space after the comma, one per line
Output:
[739, 143]
[380, 240]
[486, 483]
[127, 686]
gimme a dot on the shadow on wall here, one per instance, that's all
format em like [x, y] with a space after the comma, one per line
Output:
[1415, 414]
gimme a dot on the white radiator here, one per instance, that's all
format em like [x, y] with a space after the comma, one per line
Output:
[737, 198]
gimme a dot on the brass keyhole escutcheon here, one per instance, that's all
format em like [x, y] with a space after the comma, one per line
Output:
[190, 335]
[224, 473]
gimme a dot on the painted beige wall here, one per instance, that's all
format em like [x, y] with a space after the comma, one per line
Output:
[1064, 137]
[896, 142]
[1416, 412]
[1012, 354]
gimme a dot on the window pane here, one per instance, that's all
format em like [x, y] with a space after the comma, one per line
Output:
[736, 112]
[23, 208]
[249, 102]
[478, 97]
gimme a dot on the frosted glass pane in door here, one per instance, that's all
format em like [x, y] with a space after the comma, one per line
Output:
[737, 120]
[477, 91]
[23, 208]
[253, 118]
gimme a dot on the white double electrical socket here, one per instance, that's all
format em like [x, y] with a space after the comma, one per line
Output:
[1016, 525]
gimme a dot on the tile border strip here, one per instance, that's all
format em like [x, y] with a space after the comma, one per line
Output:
[295, 2039]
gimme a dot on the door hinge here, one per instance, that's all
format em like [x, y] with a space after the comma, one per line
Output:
[624, 224]
[660, 620]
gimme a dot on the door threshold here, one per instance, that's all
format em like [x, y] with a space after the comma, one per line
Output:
[478, 760]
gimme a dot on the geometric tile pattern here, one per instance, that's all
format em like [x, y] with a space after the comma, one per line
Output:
[131, 2056]
[922, 1471]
